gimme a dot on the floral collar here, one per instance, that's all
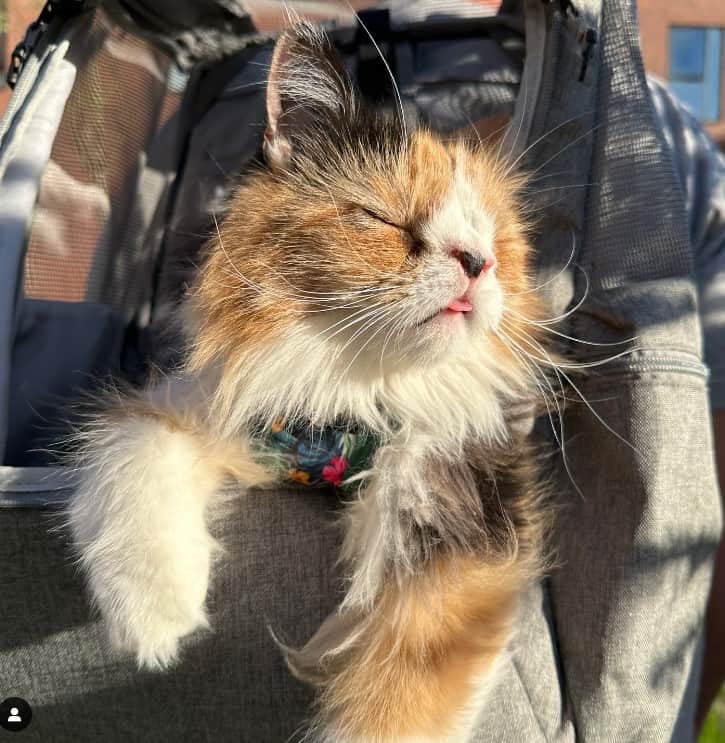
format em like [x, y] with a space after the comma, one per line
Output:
[318, 457]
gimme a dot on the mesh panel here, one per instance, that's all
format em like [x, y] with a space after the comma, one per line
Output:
[92, 194]
[96, 233]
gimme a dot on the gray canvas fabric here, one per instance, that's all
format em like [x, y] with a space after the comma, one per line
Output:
[636, 549]
[231, 685]
[607, 645]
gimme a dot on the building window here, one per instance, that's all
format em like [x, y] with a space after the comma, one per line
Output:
[696, 69]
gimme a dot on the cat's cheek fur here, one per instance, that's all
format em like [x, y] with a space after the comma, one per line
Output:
[489, 307]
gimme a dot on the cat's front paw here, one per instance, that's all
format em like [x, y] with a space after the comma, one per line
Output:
[387, 528]
[138, 524]
[152, 598]
[153, 633]
[414, 502]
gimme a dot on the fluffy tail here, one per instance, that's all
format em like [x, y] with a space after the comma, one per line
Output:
[414, 667]
[147, 476]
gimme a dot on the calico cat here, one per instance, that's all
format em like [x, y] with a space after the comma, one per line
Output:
[362, 277]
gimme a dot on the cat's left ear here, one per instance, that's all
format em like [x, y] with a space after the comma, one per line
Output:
[309, 94]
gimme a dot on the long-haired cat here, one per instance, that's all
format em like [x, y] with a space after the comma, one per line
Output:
[361, 280]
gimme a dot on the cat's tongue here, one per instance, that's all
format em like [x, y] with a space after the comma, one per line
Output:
[460, 305]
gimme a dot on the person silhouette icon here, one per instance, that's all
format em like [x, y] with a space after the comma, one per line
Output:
[15, 714]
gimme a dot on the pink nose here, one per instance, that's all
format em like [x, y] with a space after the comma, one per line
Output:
[473, 264]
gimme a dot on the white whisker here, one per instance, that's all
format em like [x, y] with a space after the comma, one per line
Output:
[387, 67]
[553, 278]
[559, 368]
[543, 136]
[558, 437]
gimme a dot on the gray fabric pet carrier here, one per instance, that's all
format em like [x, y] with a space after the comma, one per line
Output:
[130, 121]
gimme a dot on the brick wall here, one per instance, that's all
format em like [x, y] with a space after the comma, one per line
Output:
[655, 19]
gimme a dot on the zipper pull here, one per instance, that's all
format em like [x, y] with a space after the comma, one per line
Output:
[51, 9]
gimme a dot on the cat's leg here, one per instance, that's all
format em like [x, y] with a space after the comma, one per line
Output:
[147, 476]
[430, 606]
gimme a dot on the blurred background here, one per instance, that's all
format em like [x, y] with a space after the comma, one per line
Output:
[682, 44]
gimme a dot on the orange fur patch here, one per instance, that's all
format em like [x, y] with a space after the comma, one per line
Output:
[415, 665]
[429, 175]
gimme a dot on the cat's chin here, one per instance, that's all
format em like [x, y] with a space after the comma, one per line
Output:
[445, 339]
[449, 334]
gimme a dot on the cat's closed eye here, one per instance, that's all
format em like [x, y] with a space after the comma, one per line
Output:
[379, 217]
[371, 214]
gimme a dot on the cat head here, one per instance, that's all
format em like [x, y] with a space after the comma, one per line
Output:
[374, 249]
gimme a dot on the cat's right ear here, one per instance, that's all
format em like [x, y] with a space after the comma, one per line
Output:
[309, 94]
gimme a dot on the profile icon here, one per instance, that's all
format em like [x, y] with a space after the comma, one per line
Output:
[15, 714]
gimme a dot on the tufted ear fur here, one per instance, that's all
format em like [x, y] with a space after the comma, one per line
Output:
[309, 94]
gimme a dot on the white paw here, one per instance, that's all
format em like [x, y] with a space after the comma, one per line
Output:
[138, 524]
[155, 639]
[150, 604]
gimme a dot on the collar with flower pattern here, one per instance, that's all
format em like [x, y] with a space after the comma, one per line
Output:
[317, 457]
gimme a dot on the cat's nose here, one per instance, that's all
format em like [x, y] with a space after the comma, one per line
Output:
[473, 265]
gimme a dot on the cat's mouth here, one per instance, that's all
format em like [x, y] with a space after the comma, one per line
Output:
[460, 306]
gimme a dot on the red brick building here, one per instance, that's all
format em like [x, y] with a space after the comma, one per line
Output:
[683, 43]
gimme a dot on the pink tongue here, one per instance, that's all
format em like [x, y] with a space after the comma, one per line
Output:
[460, 305]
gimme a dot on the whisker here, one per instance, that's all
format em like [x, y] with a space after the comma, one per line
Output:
[568, 185]
[548, 176]
[559, 367]
[349, 320]
[363, 329]
[547, 329]
[257, 84]
[391, 317]
[578, 366]
[572, 310]
[518, 130]
[553, 278]
[558, 437]
[565, 148]
[543, 136]
[388, 337]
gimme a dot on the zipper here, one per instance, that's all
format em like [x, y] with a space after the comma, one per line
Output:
[51, 10]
